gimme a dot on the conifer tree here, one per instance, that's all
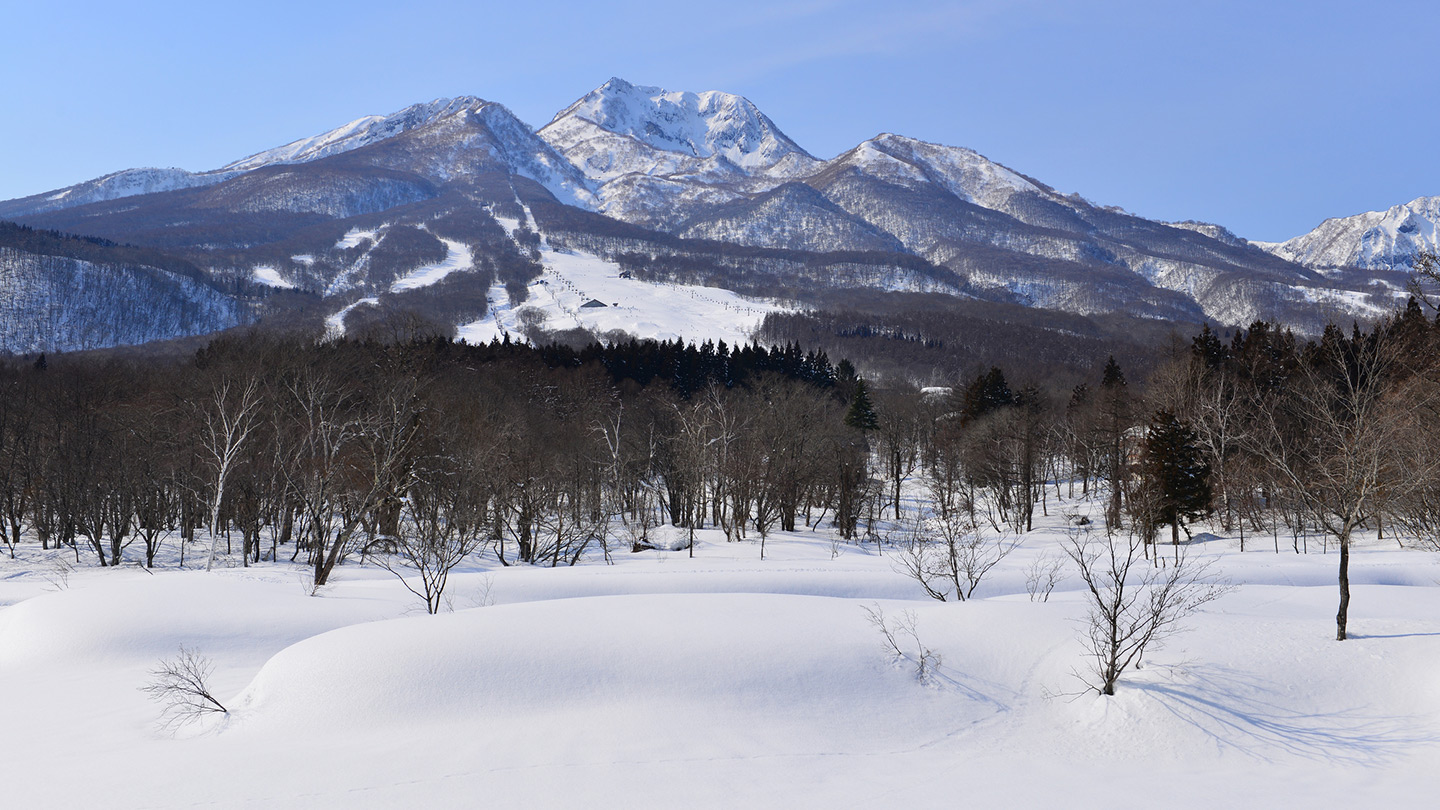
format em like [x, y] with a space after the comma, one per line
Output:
[987, 394]
[1115, 421]
[1177, 471]
[861, 415]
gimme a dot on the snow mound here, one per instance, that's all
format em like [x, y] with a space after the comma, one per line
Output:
[136, 617]
[705, 670]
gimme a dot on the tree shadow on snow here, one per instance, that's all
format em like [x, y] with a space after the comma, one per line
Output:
[1232, 709]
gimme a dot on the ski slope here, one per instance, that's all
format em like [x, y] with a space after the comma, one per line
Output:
[457, 259]
[571, 279]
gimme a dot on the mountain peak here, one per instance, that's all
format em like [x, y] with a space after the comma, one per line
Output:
[705, 125]
[964, 172]
[1373, 240]
[360, 132]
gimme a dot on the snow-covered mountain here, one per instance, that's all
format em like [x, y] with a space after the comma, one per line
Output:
[1374, 240]
[699, 188]
[655, 157]
[451, 137]
[117, 185]
[620, 128]
[712, 166]
[358, 133]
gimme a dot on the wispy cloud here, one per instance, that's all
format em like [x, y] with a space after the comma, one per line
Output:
[799, 33]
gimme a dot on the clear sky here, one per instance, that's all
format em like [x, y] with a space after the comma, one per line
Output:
[1265, 116]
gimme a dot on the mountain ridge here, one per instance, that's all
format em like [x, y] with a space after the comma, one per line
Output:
[711, 173]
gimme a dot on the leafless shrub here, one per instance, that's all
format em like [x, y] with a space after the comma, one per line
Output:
[1042, 575]
[1133, 606]
[181, 686]
[58, 573]
[310, 586]
[927, 661]
[950, 554]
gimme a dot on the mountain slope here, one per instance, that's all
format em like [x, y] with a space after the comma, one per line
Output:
[1374, 240]
[65, 294]
[444, 139]
[683, 188]
[793, 216]
[127, 183]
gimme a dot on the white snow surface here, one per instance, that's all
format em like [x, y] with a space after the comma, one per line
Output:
[355, 236]
[457, 259]
[638, 308]
[335, 324]
[718, 681]
[270, 277]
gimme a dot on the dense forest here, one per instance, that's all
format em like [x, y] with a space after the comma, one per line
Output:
[331, 451]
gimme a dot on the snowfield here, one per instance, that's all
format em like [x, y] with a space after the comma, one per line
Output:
[270, 277]
[645, 310]
[717, 681]
[457, 259]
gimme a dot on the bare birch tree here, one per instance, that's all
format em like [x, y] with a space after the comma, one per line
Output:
[229, 419]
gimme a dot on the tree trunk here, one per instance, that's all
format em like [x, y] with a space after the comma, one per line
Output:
[1342, 617]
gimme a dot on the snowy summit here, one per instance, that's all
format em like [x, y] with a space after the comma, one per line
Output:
[621, 128]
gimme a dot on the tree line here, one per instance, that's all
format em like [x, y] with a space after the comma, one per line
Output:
[426, 450]
[272, 447]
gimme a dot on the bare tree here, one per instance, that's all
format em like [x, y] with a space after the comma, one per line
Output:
[951, 554]
[927, 661]
[181, 686]
[1425, 279]
[230, 417]
[1331, 439]
[444, 520]
[1042, 575]
[1132, 605]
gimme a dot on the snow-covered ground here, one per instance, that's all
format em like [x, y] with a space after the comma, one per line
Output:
[642, 309]
[335, 323]
[270, 277]
[717, 681]
[457, 259]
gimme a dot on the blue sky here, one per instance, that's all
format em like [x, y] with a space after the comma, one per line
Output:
[1266, 117]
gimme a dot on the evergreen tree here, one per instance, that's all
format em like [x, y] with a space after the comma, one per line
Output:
[987, 394]
[1177, 471]
[1208, 348]
[1114, 408]
[861, 415]
[1112, 377]
[845, 378]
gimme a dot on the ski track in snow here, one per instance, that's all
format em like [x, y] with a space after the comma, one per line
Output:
[642, 309]
[270, 277]
[457, 259]
[335, 324]
[354, 237]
